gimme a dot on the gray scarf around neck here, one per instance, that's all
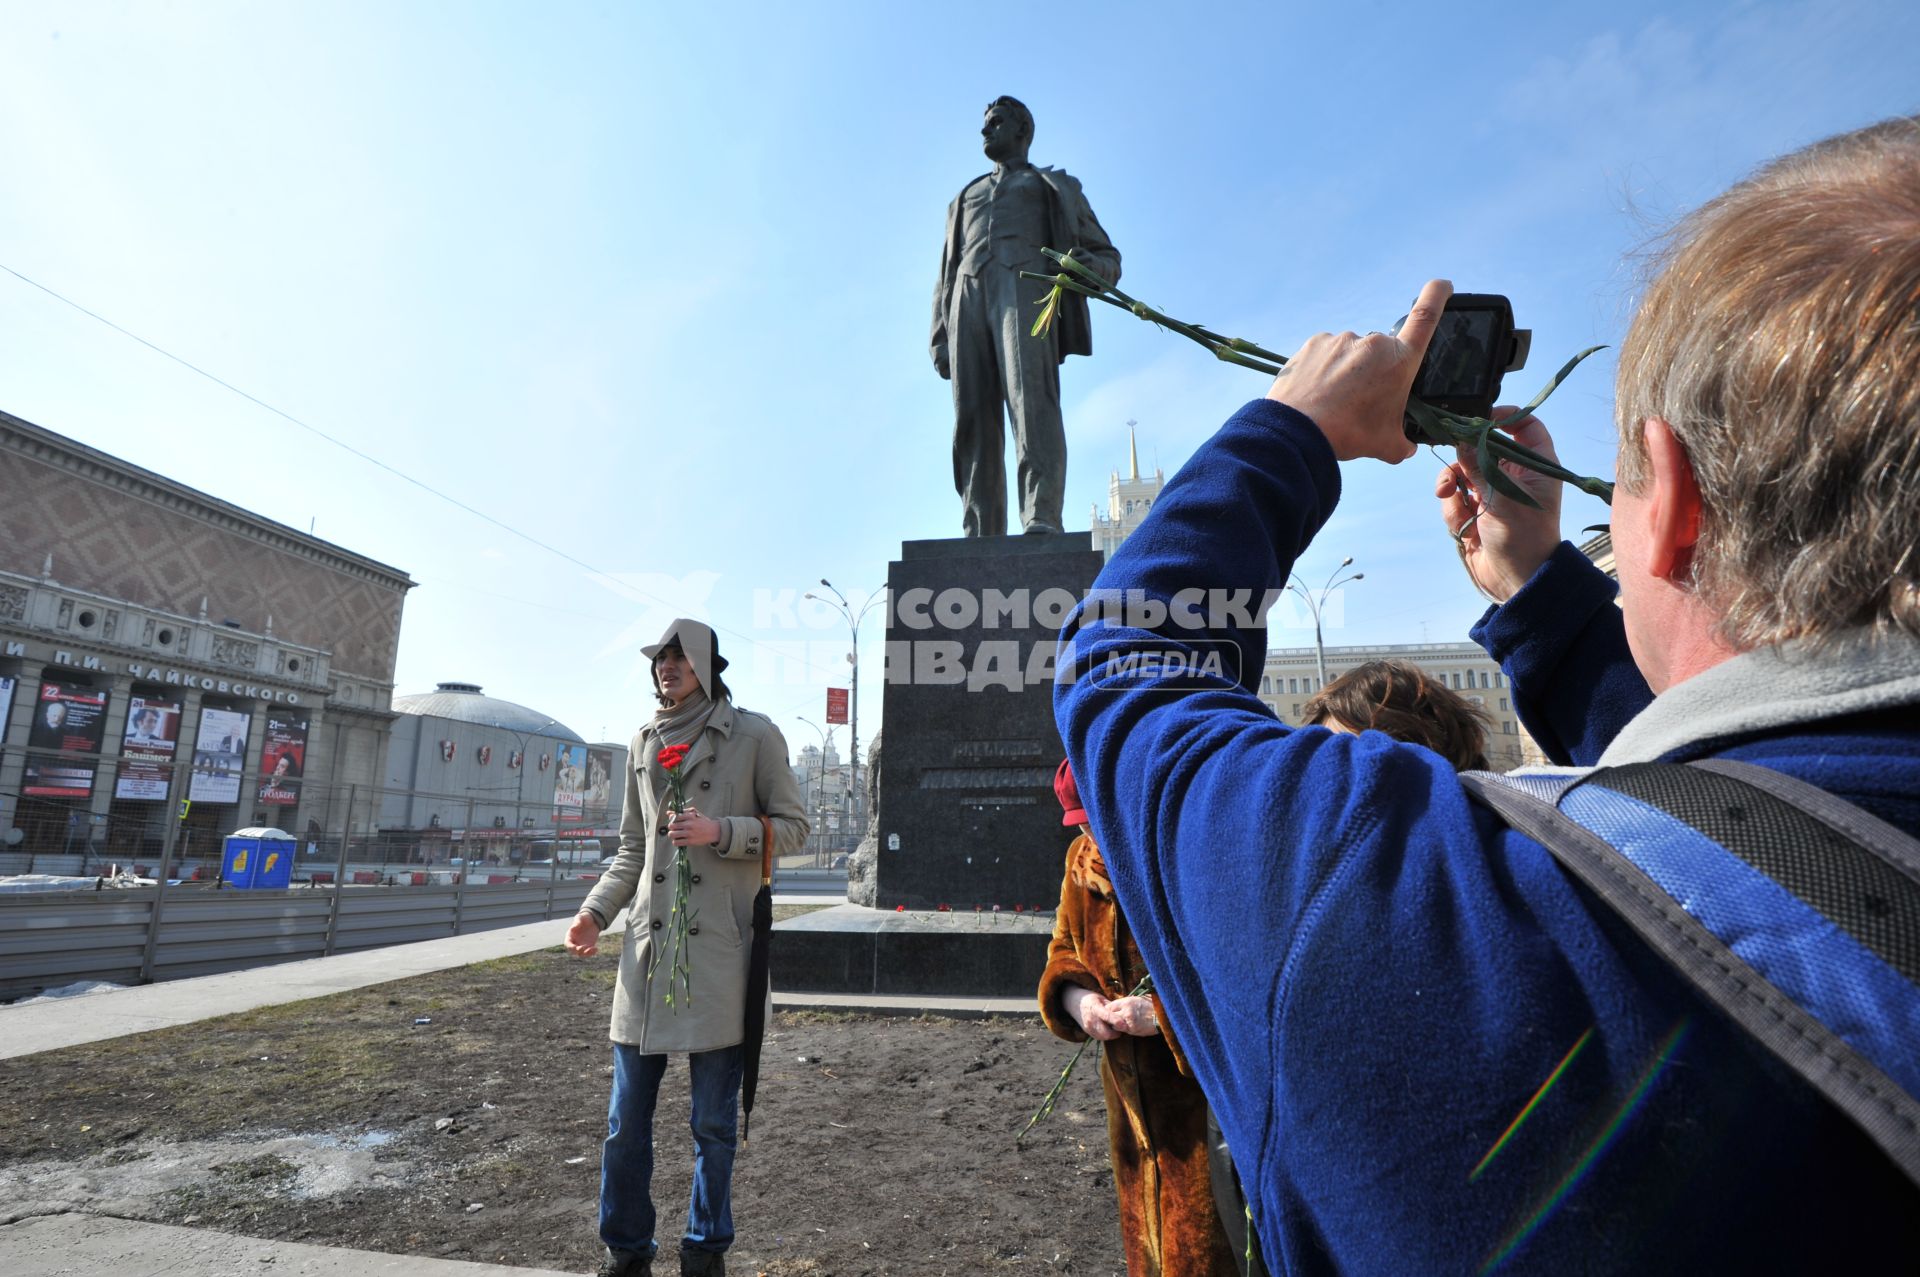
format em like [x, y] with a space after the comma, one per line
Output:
[682, 724]
[1769, 688]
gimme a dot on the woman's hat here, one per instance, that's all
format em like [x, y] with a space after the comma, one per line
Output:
[1068, 792]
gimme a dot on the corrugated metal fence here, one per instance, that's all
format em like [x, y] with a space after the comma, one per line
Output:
[135, 935]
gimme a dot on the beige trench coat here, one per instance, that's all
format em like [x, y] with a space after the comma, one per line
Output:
[736, 772]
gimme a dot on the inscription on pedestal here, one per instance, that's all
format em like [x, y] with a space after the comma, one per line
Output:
[967, 790]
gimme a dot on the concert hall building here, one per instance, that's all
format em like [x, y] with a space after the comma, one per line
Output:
[161, 649]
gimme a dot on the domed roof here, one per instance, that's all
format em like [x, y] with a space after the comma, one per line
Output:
[464, 703]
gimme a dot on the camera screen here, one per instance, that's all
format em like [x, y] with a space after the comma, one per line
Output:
[1459, 355]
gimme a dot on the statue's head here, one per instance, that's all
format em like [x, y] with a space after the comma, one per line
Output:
[1007, 131]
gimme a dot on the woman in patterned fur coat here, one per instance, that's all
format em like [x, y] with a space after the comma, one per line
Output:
[1156, 1115]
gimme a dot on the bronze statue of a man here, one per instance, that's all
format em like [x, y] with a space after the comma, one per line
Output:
[983, 313]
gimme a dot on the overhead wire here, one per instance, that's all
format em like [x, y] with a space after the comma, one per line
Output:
[603, 576]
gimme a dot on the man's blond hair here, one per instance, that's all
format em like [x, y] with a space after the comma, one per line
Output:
[1781, 341]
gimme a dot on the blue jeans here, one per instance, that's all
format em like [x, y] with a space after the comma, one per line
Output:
[626, 1164]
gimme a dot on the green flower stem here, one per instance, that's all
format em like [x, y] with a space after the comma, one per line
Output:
[1434, 425]
[680, 917]
[1053, 1097]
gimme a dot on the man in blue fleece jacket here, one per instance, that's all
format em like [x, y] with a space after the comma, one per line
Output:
[1430, 1050]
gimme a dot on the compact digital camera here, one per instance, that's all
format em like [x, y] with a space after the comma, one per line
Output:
[1475, 345]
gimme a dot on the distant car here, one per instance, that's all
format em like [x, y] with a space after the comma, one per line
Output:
[608, 863]
[839, 861]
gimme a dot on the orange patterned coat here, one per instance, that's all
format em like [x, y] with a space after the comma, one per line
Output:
[1156, 1114]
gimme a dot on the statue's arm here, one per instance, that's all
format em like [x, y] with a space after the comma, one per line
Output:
[1091, 244]
[942, 362]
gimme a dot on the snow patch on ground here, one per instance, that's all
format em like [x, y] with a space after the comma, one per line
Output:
[77, 990]
[132, 1179]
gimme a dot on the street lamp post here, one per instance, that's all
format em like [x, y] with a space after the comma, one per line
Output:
[853, 618]
[820, 790]
[1315, 603]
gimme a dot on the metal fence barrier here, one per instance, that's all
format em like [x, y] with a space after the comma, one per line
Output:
[48, 939]
[371, 866]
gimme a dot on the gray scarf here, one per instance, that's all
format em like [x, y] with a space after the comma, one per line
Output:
[682, 724]
[1775, 687]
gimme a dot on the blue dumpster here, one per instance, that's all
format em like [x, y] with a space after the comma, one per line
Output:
[258, 859]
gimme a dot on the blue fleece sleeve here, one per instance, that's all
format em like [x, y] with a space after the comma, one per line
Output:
[1429, 1048]
[1563, 646]
[1228, 834]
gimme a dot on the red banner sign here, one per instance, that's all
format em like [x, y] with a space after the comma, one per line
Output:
[836, 704]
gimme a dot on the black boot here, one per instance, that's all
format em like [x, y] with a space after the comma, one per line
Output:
[625, 1263]
[702, 1263]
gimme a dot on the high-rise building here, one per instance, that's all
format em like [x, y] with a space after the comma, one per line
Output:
[1128, 500]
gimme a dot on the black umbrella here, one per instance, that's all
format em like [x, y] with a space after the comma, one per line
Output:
[756, 1022]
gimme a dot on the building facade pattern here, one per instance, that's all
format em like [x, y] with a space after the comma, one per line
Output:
[132, 535]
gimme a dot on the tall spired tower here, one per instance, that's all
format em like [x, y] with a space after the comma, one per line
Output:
[1128, 499]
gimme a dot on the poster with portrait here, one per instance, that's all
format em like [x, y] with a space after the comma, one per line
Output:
[6, 706]
[147, 749]
[283, 759]
[219, 756]
[569, 782]
[599, 782]
[72, 720]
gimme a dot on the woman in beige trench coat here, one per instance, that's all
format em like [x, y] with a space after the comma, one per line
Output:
[736, 773]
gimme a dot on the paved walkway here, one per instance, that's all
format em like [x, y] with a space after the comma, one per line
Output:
[49, 1026]
[67, 1245]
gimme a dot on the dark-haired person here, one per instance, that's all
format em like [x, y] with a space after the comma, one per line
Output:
[740, 790]
[1156, 1114]
[1444, 1053]
[1408, 704]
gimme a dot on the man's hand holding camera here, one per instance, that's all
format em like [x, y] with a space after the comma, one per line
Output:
[1502, 542]
[1355, 388]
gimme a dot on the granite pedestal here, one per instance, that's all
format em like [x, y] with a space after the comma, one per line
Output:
[967, 814]
[853, 949]
[966, 819]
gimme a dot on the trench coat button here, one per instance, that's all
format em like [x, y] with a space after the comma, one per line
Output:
[696, 879]
[706, 784]
[693, 931]
[663, 831]
[659, 877]
[656, 924]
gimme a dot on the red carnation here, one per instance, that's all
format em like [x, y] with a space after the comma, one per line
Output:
[671, 756]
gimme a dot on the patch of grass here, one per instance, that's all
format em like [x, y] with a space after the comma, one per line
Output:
[784, 1018]
[782, 912]
[519, 963]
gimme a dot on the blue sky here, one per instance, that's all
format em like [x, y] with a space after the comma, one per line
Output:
[651, 284]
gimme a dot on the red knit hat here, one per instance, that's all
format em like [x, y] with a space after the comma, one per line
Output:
[1068, 793]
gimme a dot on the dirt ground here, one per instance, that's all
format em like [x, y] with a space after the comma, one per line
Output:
[878, 1145]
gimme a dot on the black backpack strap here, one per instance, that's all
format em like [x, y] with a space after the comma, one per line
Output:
[1861, 827]
[1646, 837]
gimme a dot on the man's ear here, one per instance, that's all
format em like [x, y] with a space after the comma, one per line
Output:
[1673, 502]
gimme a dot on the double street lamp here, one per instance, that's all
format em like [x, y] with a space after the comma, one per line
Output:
[853, 617]
[820, 789]
[1315, 602]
